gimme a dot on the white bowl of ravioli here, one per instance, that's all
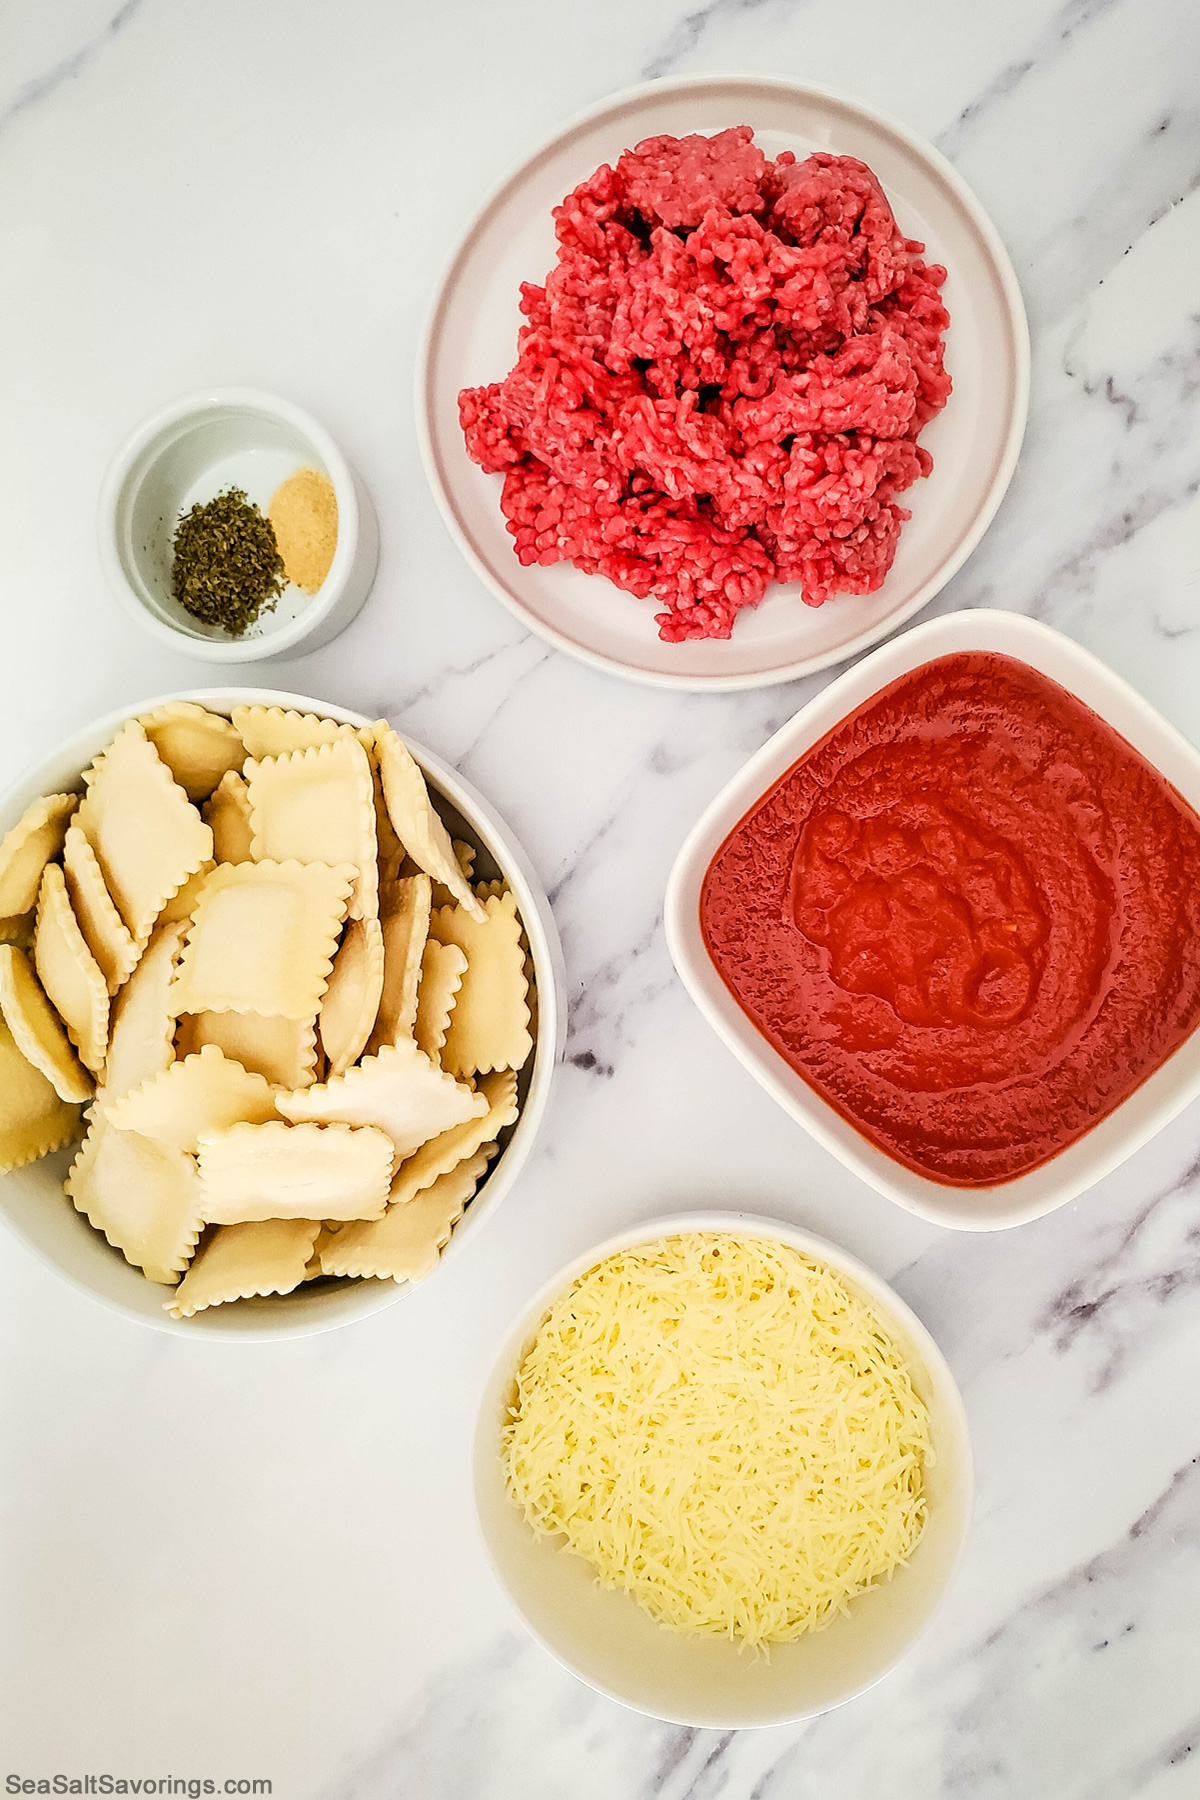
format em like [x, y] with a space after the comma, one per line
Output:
[284, 1060]
[723, 1471]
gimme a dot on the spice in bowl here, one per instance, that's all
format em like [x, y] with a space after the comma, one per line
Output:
[304, 515]
[227, 567]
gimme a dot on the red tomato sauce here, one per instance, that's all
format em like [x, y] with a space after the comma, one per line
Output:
[969, 918]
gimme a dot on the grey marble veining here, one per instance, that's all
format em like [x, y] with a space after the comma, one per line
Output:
[40, 87]
[686, 36]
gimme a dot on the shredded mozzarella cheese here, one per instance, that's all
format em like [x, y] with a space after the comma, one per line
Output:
[723, 1431]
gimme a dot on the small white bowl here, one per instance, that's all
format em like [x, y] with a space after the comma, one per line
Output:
[187, 453]
[1163, 1094]
[608, 1641]
[32, 1203]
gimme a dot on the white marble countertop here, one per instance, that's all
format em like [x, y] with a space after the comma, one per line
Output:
[261, 1561]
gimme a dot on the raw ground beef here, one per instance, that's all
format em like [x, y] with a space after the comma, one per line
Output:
[721, 383]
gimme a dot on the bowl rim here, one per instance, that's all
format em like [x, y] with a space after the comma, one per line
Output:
[115, 498]
[525, 1323]
[361, 1301]
[946, 569]
[1115, 1136]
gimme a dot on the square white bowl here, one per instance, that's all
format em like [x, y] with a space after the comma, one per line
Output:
[1109, 1142]
[32, 1203]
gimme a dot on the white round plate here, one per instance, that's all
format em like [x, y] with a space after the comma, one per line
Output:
[471, 339]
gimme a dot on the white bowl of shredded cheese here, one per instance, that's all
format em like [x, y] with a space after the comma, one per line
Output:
[722, 1471]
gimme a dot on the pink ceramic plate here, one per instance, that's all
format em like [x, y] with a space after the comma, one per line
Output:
[472, 339]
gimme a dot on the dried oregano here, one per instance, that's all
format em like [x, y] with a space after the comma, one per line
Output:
[227, 564]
